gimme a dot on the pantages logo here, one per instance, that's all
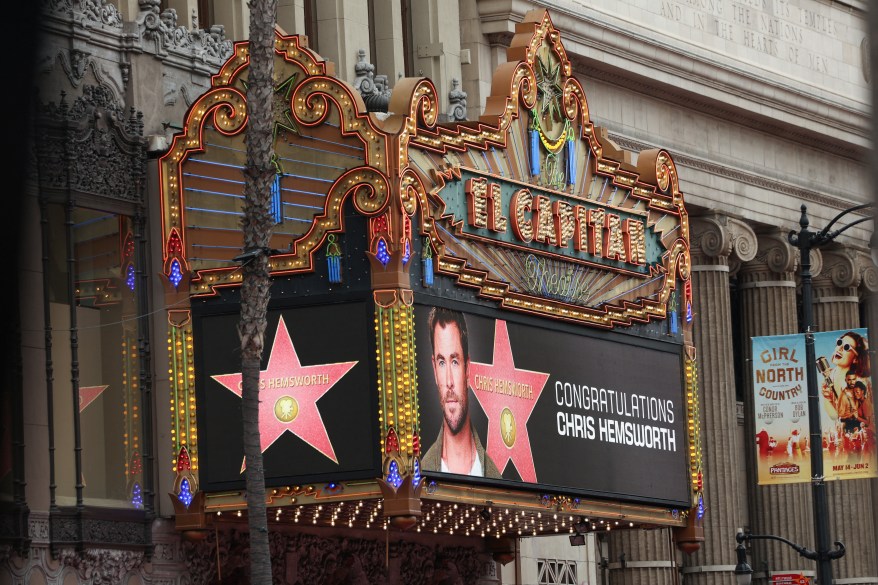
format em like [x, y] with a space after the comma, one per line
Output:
[786, 468]
[527, 217]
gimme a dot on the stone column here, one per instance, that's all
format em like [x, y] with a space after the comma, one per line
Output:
[187, 13]
[768, 307]
[291, 16]
[436, 44]
[836, 299]
[129, 9]
[646, 557]
[718, 246]
[235, 16]
[343, 29]
[389, 58]
[852, 519]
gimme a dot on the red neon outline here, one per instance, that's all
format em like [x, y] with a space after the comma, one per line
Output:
[225, 99]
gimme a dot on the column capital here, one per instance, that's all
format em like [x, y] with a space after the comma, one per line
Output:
[869, 272]
[723, 238]
[841, 267]
[774, 254]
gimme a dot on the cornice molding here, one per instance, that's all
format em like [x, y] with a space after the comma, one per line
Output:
[88, 13]
[739, 175]
[154, 31]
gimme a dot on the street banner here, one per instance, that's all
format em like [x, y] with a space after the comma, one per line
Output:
[847, 407]
[781, 409]
[783, 435]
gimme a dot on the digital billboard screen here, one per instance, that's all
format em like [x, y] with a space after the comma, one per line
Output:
[512, 402]
[317, 403]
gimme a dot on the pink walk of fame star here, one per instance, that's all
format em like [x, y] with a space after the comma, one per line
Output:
[88, 394]
[508, 396]
[288, 394]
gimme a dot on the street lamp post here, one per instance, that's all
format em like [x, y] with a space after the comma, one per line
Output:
[806, 239]
[743, 572]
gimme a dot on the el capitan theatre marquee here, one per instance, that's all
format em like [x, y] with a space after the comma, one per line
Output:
[488, 313]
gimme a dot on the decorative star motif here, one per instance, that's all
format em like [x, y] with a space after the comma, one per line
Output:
[289, 393]
[284, 117]
[508, 396]
[88, 394]
[549, 87]
[281, 106]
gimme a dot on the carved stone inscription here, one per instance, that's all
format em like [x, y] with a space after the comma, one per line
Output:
[775, 28]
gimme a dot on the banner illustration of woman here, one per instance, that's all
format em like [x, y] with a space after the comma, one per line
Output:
[847, 413]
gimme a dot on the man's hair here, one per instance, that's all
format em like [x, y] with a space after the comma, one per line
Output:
[442, 318]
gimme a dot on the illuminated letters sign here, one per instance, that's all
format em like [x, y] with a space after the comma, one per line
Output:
[538, 220]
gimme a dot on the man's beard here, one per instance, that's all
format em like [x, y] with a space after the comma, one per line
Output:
[456, 425]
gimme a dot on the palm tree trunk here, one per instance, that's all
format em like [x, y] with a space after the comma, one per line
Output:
[257, 226]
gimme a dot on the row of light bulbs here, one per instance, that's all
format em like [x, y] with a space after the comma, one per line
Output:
[447, 518]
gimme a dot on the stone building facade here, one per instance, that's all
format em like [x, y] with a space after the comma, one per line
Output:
[764, 105]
